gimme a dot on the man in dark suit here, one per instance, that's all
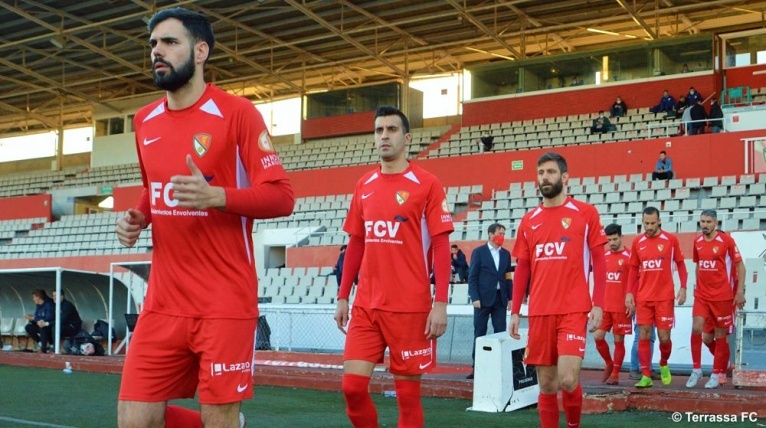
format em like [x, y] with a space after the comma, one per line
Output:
[489, 284]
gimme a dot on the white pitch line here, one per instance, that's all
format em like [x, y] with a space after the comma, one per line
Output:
[33, 423]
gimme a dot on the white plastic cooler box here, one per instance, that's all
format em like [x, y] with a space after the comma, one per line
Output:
[502, 382]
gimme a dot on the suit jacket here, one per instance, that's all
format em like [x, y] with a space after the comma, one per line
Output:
[483, 277]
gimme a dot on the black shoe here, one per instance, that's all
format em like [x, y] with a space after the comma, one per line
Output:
[470, 376]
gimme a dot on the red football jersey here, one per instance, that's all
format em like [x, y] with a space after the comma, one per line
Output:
[617, 269]
[396, 215]
[202, 260]
[655, 258]
[715, 267]
[558, 242]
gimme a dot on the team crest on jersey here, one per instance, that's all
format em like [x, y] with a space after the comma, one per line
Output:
[402, 196]
[565, 222]
[620, 262]
[715, 250]
[445, 206]
[264, 142]
[202, 143]
[660, 247]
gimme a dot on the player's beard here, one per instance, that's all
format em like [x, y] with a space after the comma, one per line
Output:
[173, 79]
[554, 190]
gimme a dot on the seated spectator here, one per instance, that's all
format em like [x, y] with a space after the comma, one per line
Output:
[576, 81]
[71, 323]
[715, 116]
[459, 264]
[685, 69]
[666, 105]
[697, 113]
[664, 168]
[618, 108]
[601, 124]
[486, 142]
[39, 327]
[681, 106]
[693, 96]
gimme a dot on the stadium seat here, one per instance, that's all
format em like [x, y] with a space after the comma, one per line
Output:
[459, 295]
[19, 332]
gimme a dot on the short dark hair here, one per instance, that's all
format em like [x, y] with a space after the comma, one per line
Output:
[343, 247]
[663, 153]
[391, 111]
[651, 210]
[196, 25]
[453, 246]
[710, 213]
[40, 294]
[555, 157]
[494, 226]
[62, 292]
[613, 229]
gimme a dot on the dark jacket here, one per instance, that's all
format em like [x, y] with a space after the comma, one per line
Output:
[45, 311]
[483, 277]
[618, 109]
[339, 266]
[69, 315]
[459, 261]
[716, 113]
[667, 104]
[698, 113]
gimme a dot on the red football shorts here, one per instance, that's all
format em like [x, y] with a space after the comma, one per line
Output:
[551, 336]
[370, 331]
[172, 357]
[717, 314]
[619, 320]
[660, 313]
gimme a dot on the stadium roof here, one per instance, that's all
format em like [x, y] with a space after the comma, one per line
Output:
[60, 55]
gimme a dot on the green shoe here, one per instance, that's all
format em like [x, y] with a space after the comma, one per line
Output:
[645, 382]
[665, 375]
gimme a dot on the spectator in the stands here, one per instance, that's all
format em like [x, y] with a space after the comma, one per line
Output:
[71, 323]
[338, 271]
[618, 108]
[681, 106]
[698, 117]
[664, 168]
[485, 142]
[666, 105]
[576, 81]
[685, 69]
[693, 96]
[459, 264]
[715, 116]
[601, 124]
[41, 322]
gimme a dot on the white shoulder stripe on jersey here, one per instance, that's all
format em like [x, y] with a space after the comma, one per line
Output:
[411, 175]
[373, 177]
[211, 108]
[538, 210]
[156, 112]
[572, 206]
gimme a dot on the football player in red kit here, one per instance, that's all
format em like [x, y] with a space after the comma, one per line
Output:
[398, 224]
[556, 244]
[715, 296]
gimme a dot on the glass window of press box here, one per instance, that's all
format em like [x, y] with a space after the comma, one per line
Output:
[745, 48]
[351, 100]
[594, 67]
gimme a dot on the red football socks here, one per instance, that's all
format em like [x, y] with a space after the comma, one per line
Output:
[359, 406]
[603, 349]
[572, 406]
[711, 347]
[181, 417]
[410, 407]
[548, 408]
[665, 349]
[721, 356]
[619, 357]
[645, 356]
[696, 344]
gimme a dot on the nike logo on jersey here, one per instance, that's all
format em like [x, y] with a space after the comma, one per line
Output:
[642, 248]
[536, 226]
[241, 388]
[367, 195]
[699, 248]
[581, 349]
[147, 142]
[422, 366]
